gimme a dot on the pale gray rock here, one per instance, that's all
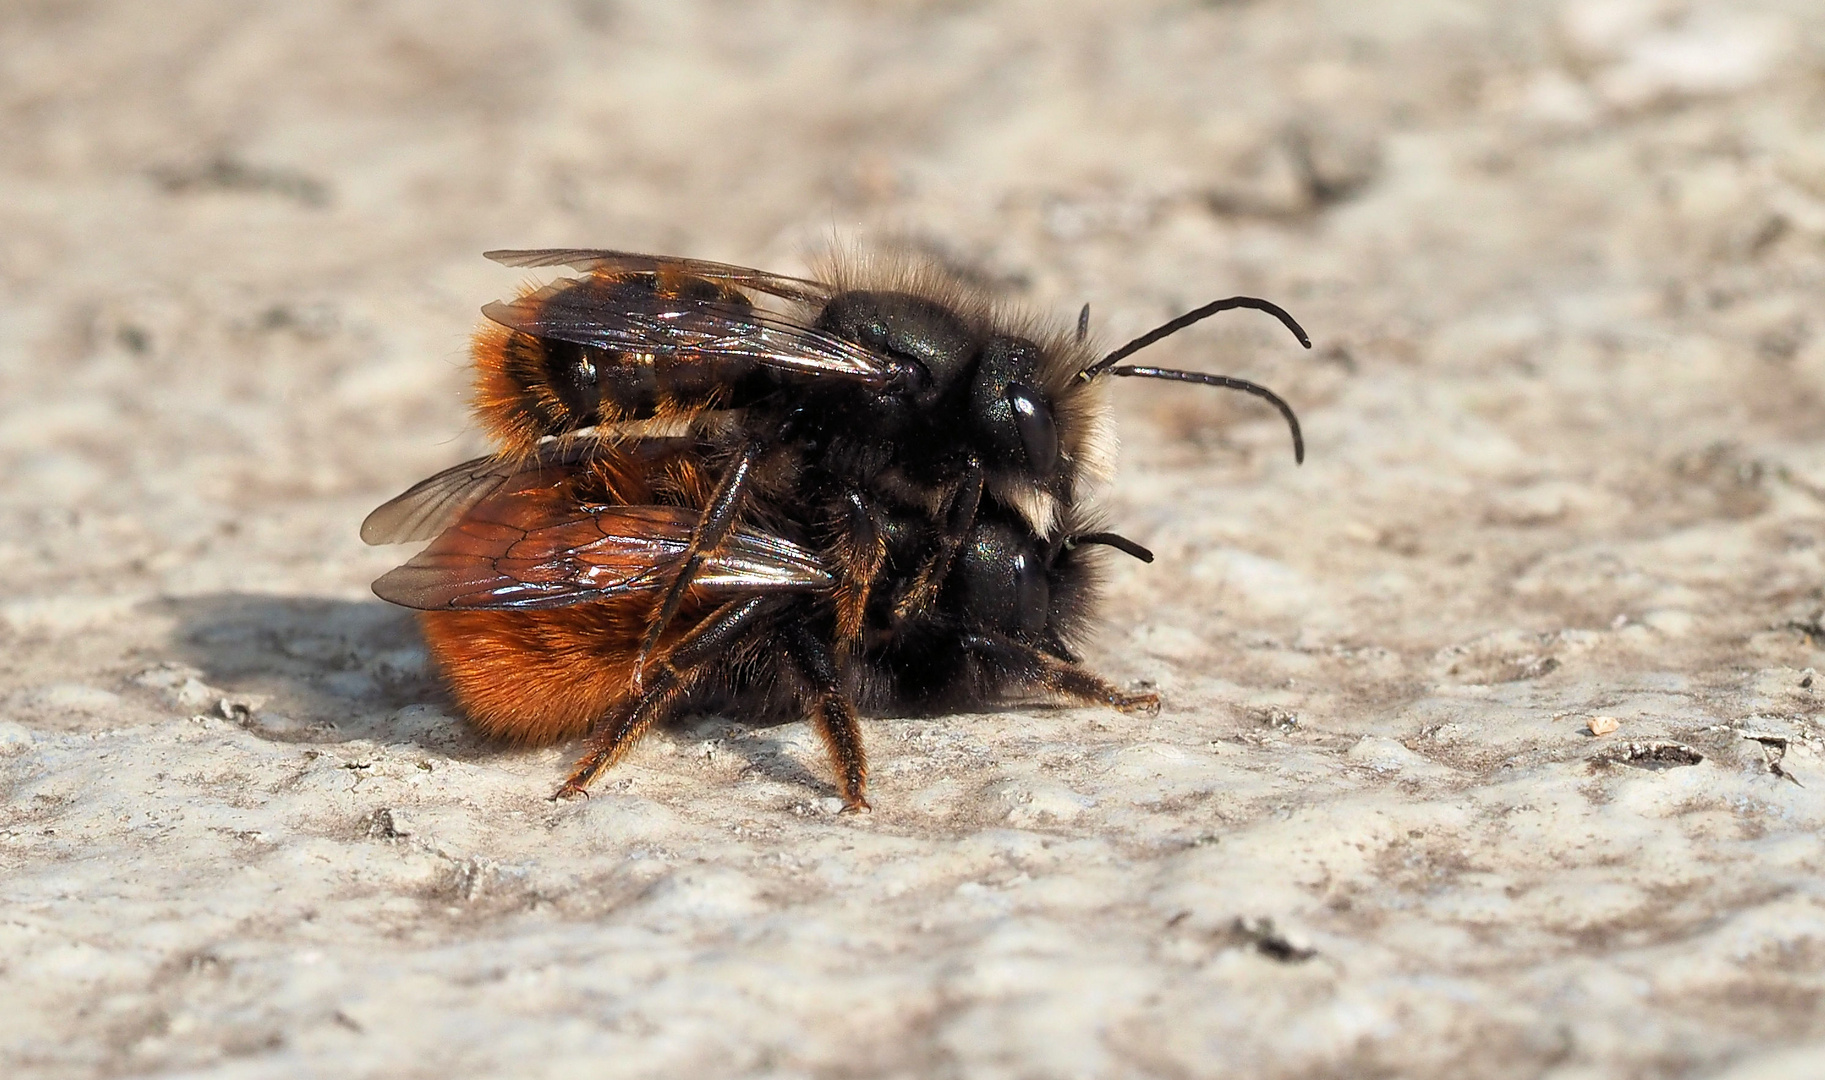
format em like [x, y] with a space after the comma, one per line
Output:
[1563, 263]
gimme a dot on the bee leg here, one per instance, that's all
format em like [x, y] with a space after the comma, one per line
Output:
[675, 676]
[833, 717]
[1064, 679]
[861, 550]
[712, 528]
[932, 571]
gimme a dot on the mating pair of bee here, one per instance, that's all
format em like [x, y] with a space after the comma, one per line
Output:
[720, 488]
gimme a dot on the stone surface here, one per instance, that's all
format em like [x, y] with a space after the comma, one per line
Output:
[1563, 264]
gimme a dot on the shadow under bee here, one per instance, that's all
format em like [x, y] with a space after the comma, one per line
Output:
[307, 669]
[754, 746]
[313, 670]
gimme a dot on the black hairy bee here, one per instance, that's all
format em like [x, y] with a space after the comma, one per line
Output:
[723, 488]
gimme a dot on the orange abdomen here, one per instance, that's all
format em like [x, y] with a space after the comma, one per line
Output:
[538, 677]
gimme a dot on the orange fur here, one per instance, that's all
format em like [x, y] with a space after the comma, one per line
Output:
[514, 402]
[543, 676]
[506, 362]
[540, 677]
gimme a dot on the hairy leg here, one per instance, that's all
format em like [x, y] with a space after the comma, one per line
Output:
[833, 716]
[1065, 679]
[923, 592]
[712, 528]
[861, 551]
[674, 677]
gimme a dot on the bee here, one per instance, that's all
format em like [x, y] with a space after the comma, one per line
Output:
[719, 488]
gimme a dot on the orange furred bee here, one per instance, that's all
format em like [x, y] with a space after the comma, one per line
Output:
[723, 489]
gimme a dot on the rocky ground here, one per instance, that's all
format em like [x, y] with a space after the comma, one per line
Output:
[1491, 743]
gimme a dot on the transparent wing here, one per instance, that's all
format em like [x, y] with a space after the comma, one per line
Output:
[627, 262]
[437, 502]
[529, 544]
[627, 315]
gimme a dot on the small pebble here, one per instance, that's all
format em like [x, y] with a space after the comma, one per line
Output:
[1603, 725]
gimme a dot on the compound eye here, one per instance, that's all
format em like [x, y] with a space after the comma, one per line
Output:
[1038, 432]
[1034, 592]
[1001, 582]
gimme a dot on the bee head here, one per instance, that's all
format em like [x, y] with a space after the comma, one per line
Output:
[1013, 418]
[1010, 581]
[1000, 581]
[1008, 411]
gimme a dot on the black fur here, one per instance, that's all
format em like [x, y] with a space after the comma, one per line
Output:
[930, 449]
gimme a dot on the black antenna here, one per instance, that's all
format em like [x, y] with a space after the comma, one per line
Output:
[1083, 324]
[1197, 315]
[1115, 540]
[1107, 364]
[1227, 383]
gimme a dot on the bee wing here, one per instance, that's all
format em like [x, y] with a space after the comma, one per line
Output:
[437, 502]
[622, 316]
[530, 545]
[628, 262]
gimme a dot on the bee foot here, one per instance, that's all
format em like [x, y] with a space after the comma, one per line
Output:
[857, 805]
[570, 789]
[1145, 704]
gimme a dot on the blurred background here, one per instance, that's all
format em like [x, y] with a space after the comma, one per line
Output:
[241, 241]
[1563, 262]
